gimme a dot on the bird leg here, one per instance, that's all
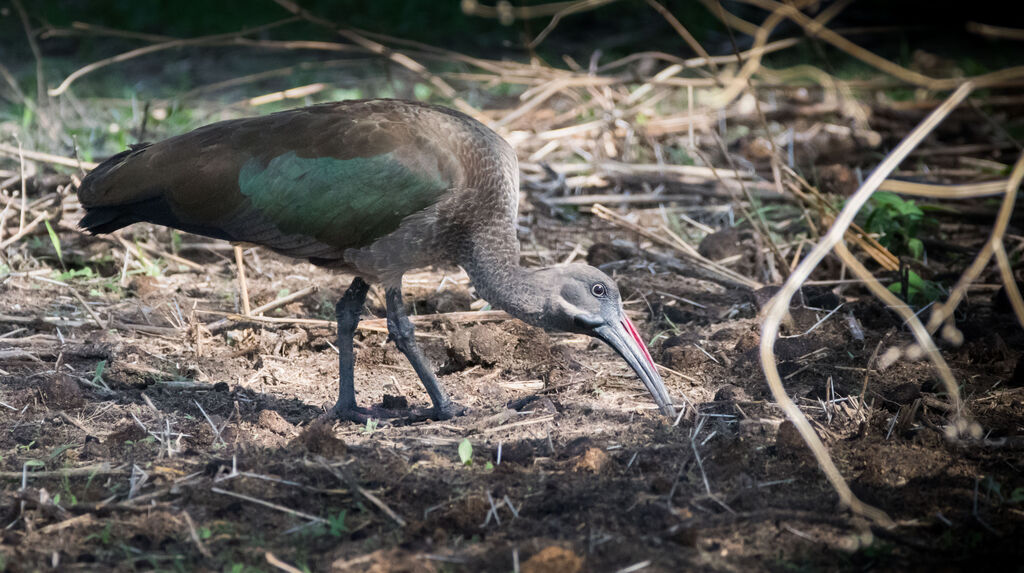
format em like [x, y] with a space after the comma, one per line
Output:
[347, 312]
[401, 330]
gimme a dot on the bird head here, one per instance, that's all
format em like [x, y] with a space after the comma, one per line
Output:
[579, 298]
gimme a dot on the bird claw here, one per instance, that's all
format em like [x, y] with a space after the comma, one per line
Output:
[446, 412]
[361, 415]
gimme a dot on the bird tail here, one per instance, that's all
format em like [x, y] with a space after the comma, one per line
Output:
[105, 218]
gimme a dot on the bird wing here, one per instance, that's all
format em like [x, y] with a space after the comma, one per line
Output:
[309, 182]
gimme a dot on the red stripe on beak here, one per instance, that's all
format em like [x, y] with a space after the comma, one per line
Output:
[639, 341]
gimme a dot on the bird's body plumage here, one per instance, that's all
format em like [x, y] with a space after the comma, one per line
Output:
[377, 187]
[308, 183]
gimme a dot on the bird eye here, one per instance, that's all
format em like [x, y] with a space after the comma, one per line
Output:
[599, 289]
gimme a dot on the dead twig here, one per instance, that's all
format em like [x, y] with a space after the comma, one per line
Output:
[347, 479]
[778, 307]
[243, 287]
[264, 503]
[178, 43]
[943, 312]
[45, 157]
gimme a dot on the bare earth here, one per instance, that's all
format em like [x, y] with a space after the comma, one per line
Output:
[123, 467]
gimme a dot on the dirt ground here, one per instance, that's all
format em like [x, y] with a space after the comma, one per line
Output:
[169, 448]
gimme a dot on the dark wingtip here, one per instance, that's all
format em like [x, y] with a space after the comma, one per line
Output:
[102, 220]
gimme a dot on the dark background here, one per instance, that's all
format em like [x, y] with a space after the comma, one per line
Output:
[618, 28]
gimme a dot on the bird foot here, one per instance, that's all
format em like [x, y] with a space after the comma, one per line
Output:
[396, 417]
[446, 412]
[361, 415]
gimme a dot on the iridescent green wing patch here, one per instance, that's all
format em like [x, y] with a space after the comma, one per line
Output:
[341, 202]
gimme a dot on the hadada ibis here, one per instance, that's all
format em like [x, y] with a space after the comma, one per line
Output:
[375, 188]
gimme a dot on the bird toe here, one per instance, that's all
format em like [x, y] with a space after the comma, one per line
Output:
[361, 415]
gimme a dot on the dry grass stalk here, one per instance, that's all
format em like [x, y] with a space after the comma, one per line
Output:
[942, 313]
[677, 245]
[965, 191]
[163, 254]
[995, 31]
[351, 482]
[813, 29]
[961, 424]
[371, 324]
[273, 560]
[1012, 292]
[243, 287]
[215, 327]
[777, 309]
[45, 157]
[264, 503]
[382, 50]
[64, 85]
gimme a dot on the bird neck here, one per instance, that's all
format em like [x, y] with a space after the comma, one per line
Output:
[498, 279]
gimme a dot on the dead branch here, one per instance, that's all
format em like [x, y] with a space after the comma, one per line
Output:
[779, 305]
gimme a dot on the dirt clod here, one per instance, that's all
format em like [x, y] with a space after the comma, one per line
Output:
[271, 420]
[391, 402]
[731, 393]
[144, 286]
[62, 392]
[729, 243]
[319, 438]
[904, 393]
[519, 452]
[602, 253]
[789, 443]
[684, 357]
[553, 560]
[484, 344]
[594, 461]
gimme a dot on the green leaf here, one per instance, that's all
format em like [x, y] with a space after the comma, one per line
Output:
[916, 248]
[1017, 495]
[337, 523]
[919, 291]
[54, 239]
[34, 463]
[97, 377]
[466, 452]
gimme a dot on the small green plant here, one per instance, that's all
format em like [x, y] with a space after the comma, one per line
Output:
[466, 452]
[103, 536]
[915, 289]
[336, 524]
[97, 375]
[996, 495]
[370, 427]
[66, 494]
[82, 273]
[897, 222]
[55, 240]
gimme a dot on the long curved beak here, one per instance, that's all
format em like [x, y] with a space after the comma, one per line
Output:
[622, 336]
